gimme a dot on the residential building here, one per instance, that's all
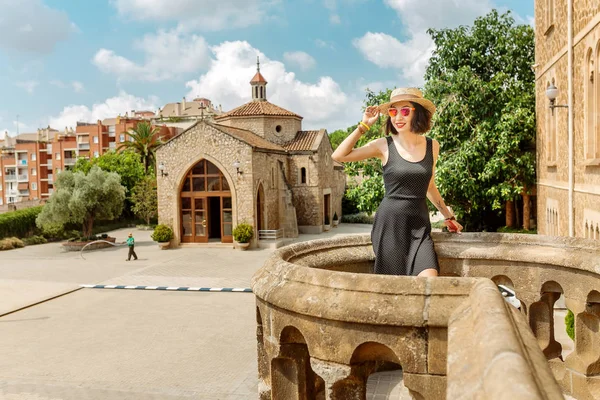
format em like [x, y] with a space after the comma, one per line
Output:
[567, 56]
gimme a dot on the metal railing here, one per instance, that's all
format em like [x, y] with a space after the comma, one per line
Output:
[84, 146]
[264, 234]
[10, 178]
[70, 161]
[24, 177]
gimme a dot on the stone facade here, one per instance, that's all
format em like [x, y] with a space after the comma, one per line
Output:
[285, 181]
[553, 155]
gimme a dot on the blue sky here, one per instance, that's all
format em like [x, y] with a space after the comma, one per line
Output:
[68, 60]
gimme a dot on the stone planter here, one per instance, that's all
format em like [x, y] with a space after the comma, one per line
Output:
[242, 246]
[77, 246]
[336, 222]
[164, 245]
[326, 227]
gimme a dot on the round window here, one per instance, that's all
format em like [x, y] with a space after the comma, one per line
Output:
[278, 128]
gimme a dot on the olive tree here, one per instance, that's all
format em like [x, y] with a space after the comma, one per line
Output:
[80, 199]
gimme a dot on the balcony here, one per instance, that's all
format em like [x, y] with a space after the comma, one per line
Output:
[112, 145]
[10, 178]
[83, 146]
[112, 134]
[50, 178]
[70, 161]
[23, 193]
[12, 192]
[22, 162]
[24, 177]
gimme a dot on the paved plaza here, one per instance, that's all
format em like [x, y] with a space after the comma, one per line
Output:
[59, 341]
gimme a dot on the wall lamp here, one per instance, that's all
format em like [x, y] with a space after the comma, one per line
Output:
[161, 168]
[236, 164]
[552, 94]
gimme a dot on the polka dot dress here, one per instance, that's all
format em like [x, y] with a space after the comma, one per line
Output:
[401, 230]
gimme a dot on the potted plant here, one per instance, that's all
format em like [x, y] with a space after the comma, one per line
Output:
[163, 235]
[242, 234]
[335, 220]
[327, 226]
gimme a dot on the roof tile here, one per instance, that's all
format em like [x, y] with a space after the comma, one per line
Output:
[304, 141]
[257, 108]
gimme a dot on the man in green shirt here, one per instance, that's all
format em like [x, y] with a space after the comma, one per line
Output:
[131, 245]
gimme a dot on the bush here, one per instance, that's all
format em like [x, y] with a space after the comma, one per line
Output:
[34, 240]
[19, 223]
[360, 218]
[11, 243]
[162, 234]
[570, 324]
[243, 233]
[506, 229]
[349, 206]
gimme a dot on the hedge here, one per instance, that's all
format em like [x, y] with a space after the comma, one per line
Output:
[20, 223]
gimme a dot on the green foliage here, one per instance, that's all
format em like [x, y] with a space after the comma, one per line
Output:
[19, 223]
[506, 229]
[162, 234]
[127, 164]
[11, 243]
[243, 232]
[80, 199]
[360, 218]
[481, 81]
[29, 241]
[348, 205]
[570, 324]
[145, 142]
[145, 199]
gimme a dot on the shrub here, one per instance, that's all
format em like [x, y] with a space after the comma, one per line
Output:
[162, 233]
[506, 229]
[360, 218]
[570, 324]
[34, 240]
[243, 233]
[11, 243]
[19, 223]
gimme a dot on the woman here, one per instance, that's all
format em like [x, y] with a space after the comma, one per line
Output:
[401, 230]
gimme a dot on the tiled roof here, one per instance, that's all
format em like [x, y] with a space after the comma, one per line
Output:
[247, 137]
[258, 78]
[304, 141]
[257, 108]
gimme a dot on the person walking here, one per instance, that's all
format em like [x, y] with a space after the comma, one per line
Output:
[401, 228]
[131, 245]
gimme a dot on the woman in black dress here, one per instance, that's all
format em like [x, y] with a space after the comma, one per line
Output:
[401, 230]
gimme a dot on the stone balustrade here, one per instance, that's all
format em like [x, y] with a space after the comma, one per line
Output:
[325, 323]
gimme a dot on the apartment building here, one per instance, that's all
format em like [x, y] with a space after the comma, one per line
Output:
[30, 162]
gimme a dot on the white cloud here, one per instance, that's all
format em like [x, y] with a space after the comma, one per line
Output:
[43, 29]
[335, 19]
[410, 57]
[75, 85]
[110, 108]
[168, 55]
[324, 44]
[17, 126]
[197, 15]
[28, 86]
[323, 104]
[300, 59]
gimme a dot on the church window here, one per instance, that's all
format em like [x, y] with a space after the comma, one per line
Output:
[261, 92]
[591, 104]
[278, 128]
[302, 175]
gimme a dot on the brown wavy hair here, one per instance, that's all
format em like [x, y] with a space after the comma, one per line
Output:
[420, 123]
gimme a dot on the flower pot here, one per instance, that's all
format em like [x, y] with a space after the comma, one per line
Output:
[163, 245]
[326, 227]
[242, 246]
[335, 222]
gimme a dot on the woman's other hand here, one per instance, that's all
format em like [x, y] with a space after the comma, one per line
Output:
[453, 226]
[370, 116]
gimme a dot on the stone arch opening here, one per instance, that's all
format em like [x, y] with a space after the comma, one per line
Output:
[503, 280]
[261, 222]
[542, 315]
[206, 208]
[587, 334]
[291, 374]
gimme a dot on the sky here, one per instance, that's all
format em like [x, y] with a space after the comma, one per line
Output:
[70, 60]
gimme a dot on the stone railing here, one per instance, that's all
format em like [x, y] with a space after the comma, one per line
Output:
[325, 323]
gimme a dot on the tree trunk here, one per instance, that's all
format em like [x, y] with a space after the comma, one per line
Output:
[88, 224]
[510, 213]
[526, 212]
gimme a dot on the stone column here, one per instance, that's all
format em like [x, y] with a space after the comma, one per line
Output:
[541, 320]
[339, 385]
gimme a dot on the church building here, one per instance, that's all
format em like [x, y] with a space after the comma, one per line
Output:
[253, 164]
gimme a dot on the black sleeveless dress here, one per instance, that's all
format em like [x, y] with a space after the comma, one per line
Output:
[401, 230]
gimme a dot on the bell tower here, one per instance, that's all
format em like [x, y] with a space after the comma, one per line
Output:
[259, 85]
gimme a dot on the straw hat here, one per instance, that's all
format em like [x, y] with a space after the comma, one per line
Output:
[407, 94]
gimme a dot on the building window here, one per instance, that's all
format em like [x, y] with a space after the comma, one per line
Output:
[57, 156]
[96, 154]
[549, 13]
[551, 148]
[34, 186]
[33, 157]
[33, 171]
[552, 217]
[122, 137]
[95, 139]
[591, 102]
[302, 175]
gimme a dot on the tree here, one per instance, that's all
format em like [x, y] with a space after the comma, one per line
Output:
[145, 141]
[145, 199]
[81, 199]
[481, 80]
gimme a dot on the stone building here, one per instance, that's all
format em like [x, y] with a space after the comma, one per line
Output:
[252, 164]
[567, 51]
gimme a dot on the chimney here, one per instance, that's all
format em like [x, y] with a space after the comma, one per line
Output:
[220, 109]
[183, 103]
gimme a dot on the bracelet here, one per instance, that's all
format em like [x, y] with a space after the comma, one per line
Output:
[452, 218]
[365, 125]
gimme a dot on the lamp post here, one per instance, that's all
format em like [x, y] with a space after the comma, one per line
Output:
[552, 94]
[236, 164]
[161, 168]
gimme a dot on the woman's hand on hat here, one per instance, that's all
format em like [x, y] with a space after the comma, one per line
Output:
[370, 116]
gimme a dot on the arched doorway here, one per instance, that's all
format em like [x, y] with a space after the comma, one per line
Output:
[206, 207]
[260, 208]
